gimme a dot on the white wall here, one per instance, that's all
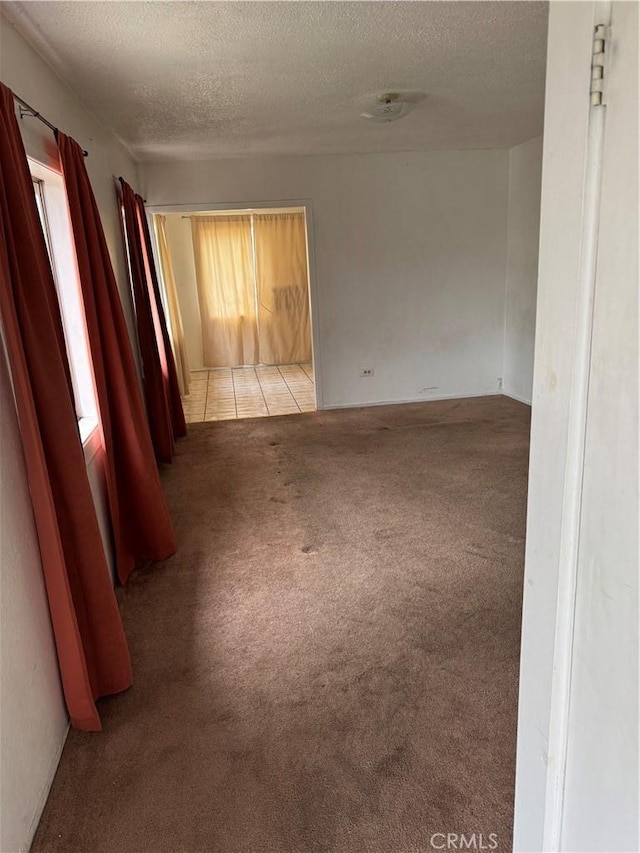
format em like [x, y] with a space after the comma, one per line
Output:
[410, 259]
[525, 175]
[33, 720]
[585, 797]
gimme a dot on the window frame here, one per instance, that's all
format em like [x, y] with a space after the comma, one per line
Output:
[51, 200]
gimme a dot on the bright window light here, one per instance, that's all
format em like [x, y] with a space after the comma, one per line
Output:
[51, 200]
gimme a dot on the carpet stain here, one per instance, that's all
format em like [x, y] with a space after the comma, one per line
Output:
[362, 700]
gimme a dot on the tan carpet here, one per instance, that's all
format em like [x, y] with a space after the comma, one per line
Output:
[330, 661]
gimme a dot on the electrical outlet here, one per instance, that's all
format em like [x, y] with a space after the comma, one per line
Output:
[499, 383]
[366, 371]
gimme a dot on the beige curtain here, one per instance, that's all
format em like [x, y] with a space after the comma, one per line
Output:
[176, 329]
[282, 288]
[226, 291]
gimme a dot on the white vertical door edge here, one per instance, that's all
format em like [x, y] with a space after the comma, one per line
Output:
[574, 472]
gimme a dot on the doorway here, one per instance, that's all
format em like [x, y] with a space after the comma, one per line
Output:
[237, 293]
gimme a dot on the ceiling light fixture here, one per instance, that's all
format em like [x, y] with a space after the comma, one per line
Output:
[389, 107]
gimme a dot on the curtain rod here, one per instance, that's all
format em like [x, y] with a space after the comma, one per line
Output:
[27, 110]
[120, 180]
[247, 211]
[240, 211]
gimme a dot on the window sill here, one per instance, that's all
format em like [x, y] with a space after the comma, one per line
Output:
[90, 437]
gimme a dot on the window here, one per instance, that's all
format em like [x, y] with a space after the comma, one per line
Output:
[38, 188]
[51, 201]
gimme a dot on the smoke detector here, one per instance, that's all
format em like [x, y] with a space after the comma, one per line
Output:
[388, 106]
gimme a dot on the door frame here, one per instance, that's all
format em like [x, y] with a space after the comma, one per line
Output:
[555, 800]
[281, 204]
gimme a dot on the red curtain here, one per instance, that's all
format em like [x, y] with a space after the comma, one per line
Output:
[164, 407]
[140, 519]
[173, 386]
[92, 649]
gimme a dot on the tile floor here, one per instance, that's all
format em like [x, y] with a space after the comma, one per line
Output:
[227, 393]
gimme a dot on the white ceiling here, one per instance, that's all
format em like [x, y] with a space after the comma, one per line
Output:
[209, 79]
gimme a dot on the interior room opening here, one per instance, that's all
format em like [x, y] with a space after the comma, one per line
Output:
[236, 291]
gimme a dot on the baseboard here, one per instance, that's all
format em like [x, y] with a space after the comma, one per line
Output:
[429, 399]
[516, 397]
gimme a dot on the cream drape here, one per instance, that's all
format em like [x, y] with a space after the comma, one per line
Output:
[176, 329]
[224, 272]
[282, 288]
[252, 280]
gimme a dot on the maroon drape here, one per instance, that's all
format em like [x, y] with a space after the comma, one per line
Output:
[92, 649]
[140, 519]
[173, 387]
[164, 407]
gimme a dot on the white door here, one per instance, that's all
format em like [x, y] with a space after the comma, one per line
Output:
[577, 766]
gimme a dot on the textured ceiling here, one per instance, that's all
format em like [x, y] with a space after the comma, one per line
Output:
[208, 79]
